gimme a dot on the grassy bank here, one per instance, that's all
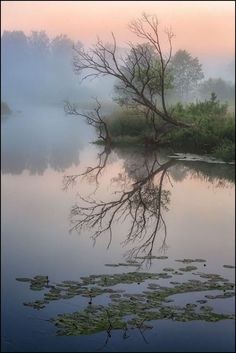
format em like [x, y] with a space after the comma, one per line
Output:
[212, 129]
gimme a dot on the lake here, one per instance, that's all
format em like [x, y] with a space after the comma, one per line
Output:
[119, 219]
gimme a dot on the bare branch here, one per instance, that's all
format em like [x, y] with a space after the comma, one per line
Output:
[93, 118]
[142, 75]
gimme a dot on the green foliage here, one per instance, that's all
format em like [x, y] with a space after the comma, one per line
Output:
[210, 109]
[126, 140]
[225, 151]
[127, 123]
[126, 310]
[213, 129]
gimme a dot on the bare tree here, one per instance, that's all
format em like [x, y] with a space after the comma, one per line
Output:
[143, 74]
[93, 118]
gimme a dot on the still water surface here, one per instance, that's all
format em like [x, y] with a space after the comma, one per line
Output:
[40, 147]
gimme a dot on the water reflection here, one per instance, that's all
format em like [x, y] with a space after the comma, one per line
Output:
[91, 174]
[35, 140]
[200, 228]
[220, 175]
[142, 196]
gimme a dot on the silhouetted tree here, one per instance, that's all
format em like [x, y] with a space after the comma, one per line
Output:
[143, 74]
[93, 118]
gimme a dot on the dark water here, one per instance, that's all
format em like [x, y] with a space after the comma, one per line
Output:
[42, 146]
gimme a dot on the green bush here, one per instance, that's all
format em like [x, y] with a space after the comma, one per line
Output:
[225, 151]
[212, 125]
[212, 128]
[127, 140]
[129, 123]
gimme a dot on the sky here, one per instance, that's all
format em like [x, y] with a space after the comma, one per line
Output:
[204, 28]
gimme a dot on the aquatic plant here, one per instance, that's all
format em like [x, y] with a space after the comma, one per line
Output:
[126, 310]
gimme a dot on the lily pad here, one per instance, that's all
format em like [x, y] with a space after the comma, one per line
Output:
[188, 261]
[130, 310]
[187, 268]
[23, 279]
[151, 257]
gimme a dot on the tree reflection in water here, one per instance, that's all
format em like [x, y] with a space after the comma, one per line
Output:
[92, 174]
[140, 198]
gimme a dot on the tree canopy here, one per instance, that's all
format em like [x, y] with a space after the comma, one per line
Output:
[187, 73]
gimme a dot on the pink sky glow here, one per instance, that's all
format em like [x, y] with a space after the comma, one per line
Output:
[201, 27]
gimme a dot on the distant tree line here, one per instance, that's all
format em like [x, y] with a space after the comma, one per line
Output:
[188, 82]
[40, 69]
[224, 90]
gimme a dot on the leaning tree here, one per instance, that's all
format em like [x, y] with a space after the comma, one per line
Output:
[143, 75]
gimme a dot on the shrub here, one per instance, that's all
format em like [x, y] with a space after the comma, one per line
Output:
[212, 125]
[225, 151]
[127, 140]
[129, 123]
[212, 131]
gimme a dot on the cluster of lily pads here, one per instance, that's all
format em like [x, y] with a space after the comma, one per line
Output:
[36, 283]
[135, 263]
[189, 261]
[130, 310]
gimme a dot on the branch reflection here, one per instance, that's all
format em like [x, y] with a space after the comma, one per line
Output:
[92, 174]
[140, 198]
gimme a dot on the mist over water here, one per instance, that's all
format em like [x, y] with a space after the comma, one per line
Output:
[51, 168]
[47, 138]
[38, 70]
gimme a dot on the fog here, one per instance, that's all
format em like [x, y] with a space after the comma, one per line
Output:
[219, 67]
[38, 70]
[42, 138]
